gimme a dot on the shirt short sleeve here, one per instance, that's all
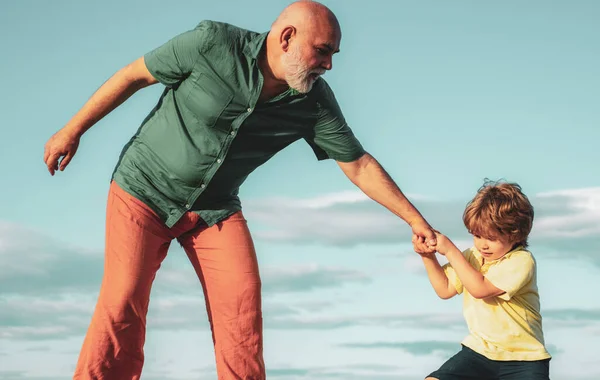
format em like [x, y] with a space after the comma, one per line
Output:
[332, 137]
[173, 61]
[512, 274]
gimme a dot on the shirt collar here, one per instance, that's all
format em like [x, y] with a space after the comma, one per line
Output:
[480, 257]
[253, 47]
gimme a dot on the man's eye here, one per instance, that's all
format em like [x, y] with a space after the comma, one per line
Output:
[321, 51]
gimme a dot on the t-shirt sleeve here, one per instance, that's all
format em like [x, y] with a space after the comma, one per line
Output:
[451, 273]
[512, 274]
[173, 61]
[332, 137]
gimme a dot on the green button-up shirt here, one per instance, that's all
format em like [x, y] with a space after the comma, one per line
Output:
[207, 132]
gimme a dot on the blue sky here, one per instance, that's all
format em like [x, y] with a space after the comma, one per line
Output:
[444, 94]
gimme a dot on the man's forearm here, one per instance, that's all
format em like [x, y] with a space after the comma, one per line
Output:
[109, 96]
[377, 184]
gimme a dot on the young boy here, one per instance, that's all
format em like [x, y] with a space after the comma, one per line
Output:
[501, 303]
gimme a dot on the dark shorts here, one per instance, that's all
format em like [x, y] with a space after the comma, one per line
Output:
[469, 365]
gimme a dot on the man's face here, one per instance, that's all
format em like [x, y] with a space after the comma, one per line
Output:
[310, 56]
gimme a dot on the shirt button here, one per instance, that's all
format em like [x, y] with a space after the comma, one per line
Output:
[218, 160]
[203, 186]
[249, 110]
[232, 133]
[187, 205]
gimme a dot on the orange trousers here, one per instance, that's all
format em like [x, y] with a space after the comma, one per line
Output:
[224, 259]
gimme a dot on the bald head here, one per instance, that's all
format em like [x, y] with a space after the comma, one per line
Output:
[301, 43]
[306, 15]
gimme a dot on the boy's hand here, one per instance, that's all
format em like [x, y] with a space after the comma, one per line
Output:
[444, 245]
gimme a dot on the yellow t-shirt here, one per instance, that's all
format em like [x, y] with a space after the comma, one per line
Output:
[509, 326]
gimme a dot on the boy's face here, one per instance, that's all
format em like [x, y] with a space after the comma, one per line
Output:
[492, 248]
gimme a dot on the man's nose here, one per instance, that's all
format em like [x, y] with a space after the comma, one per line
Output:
[327, 63]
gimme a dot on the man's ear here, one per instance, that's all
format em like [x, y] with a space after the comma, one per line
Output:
[287, 34]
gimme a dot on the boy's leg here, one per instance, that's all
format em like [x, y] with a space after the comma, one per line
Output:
[136, 244]
[465, 365]
[530, 370]
[224, 258]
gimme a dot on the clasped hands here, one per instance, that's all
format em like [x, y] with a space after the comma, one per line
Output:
[424, 248]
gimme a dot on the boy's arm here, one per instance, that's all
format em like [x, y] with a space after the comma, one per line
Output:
[438, 279]
[475, 283]
[513, 274]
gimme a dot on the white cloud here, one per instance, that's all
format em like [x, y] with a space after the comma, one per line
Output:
[329, 200]
[345, 221]
[564, 220]
[49, 289]
[33, 262]
[417, 348]
[442, 321]
[569, 222]
[348, 372]
[308, 277]
[578, 213]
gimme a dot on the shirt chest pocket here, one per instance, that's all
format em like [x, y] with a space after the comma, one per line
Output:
[207, 99]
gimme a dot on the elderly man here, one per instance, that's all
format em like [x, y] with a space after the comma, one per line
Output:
[233, 98]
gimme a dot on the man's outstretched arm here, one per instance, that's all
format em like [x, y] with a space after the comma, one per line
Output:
[375, 182]
[109, 96]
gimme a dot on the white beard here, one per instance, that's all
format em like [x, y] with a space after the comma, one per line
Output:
[297, 73]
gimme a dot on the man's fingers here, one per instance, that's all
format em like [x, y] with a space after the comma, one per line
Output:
[424, 251]
[431, 234]
[421, 248]
[432, 237]
[65, 161]
[52, 162]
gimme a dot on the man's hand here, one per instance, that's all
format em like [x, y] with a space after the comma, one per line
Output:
[64, 144]
[110, 95]
[423, 230]
[421, 247]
